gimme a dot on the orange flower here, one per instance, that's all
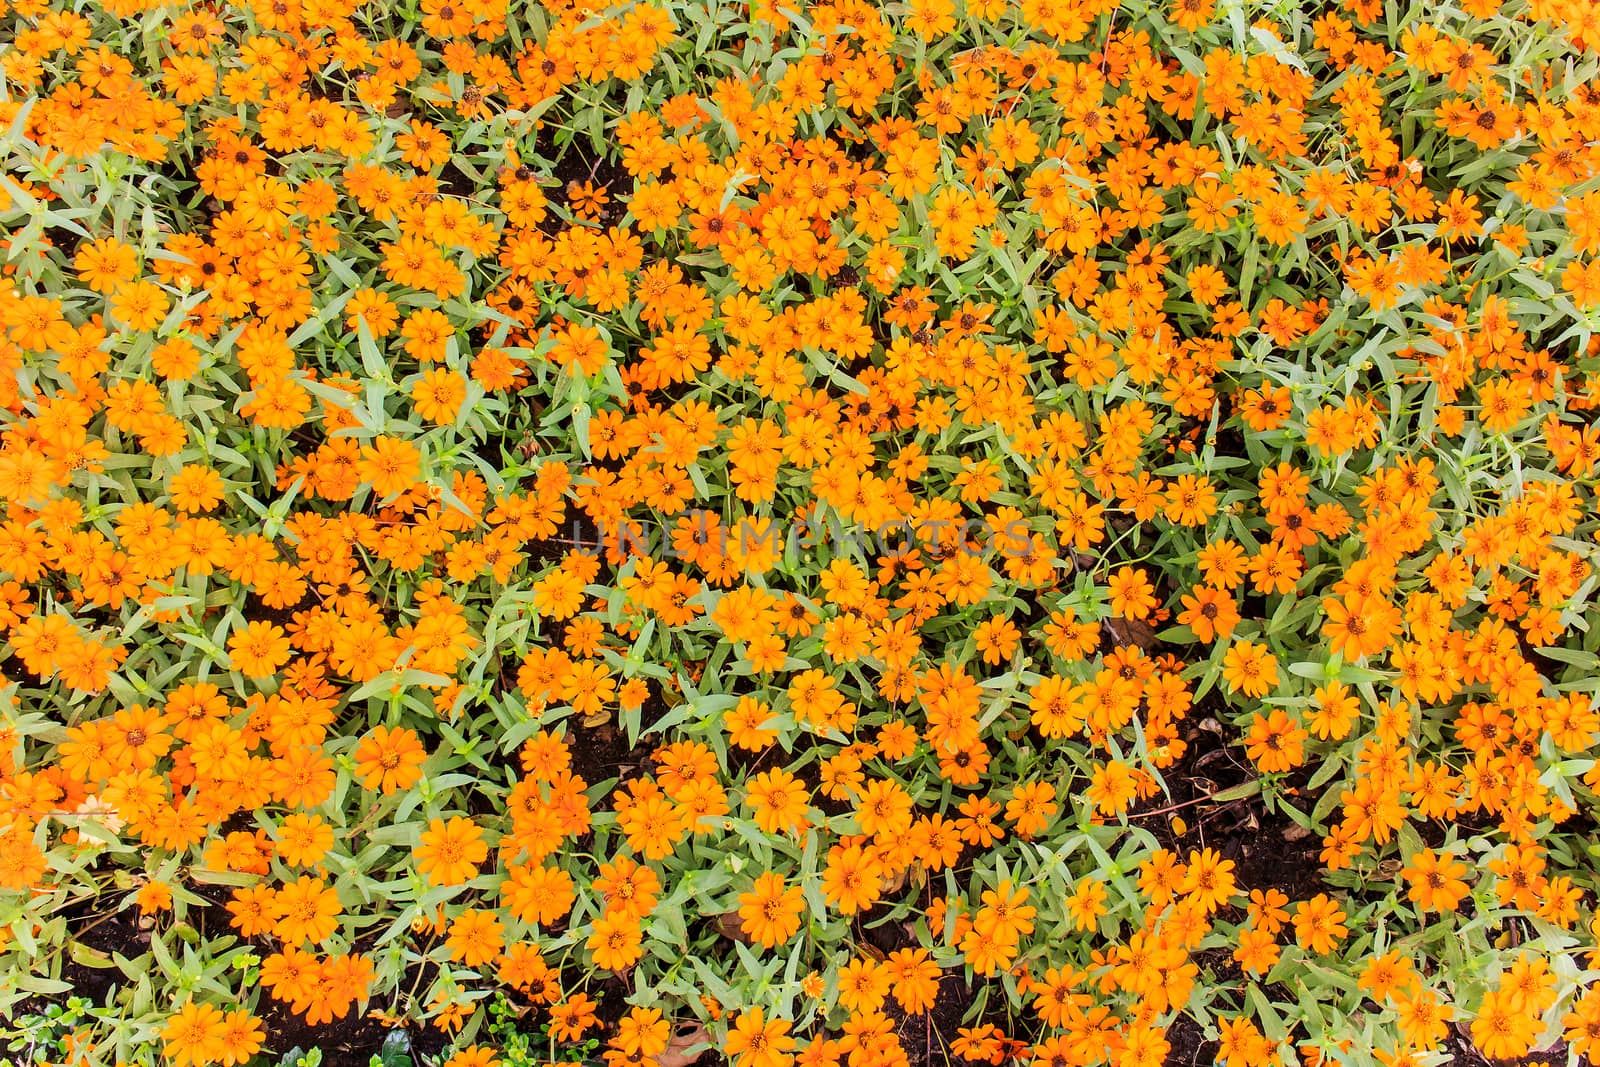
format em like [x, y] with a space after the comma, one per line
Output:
[389, 760]
[1250, 669]
[390, 465]
[438, 394]
[196, 1034]
[1210, 613]
[140, 305]
[753, 1041]
[449, 852]
[259, 650]
[615, 941]
[1275, 742]
[770, 912]
[851, 880]
[305, 910]
[1319, 924]
[475, 937]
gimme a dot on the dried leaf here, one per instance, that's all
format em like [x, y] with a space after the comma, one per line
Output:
[729, 925]
[678, 1052]
[1134, 632]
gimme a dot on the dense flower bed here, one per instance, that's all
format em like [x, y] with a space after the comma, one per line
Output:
[849, 534]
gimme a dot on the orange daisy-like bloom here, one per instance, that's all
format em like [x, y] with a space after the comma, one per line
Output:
[1250, 669]
[450, 852]
[390, 465]
[754, 1041]
[1436, 880]
[259, 650]
[197, 1034]
[770, 912]
[851, 880]
[1210, 613]
[475, 937]
[1319, 924]
[305, 910]
[1275, 742]
[389, 760]
[615, 941]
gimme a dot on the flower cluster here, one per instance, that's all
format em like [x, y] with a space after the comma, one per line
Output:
[408, 410]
